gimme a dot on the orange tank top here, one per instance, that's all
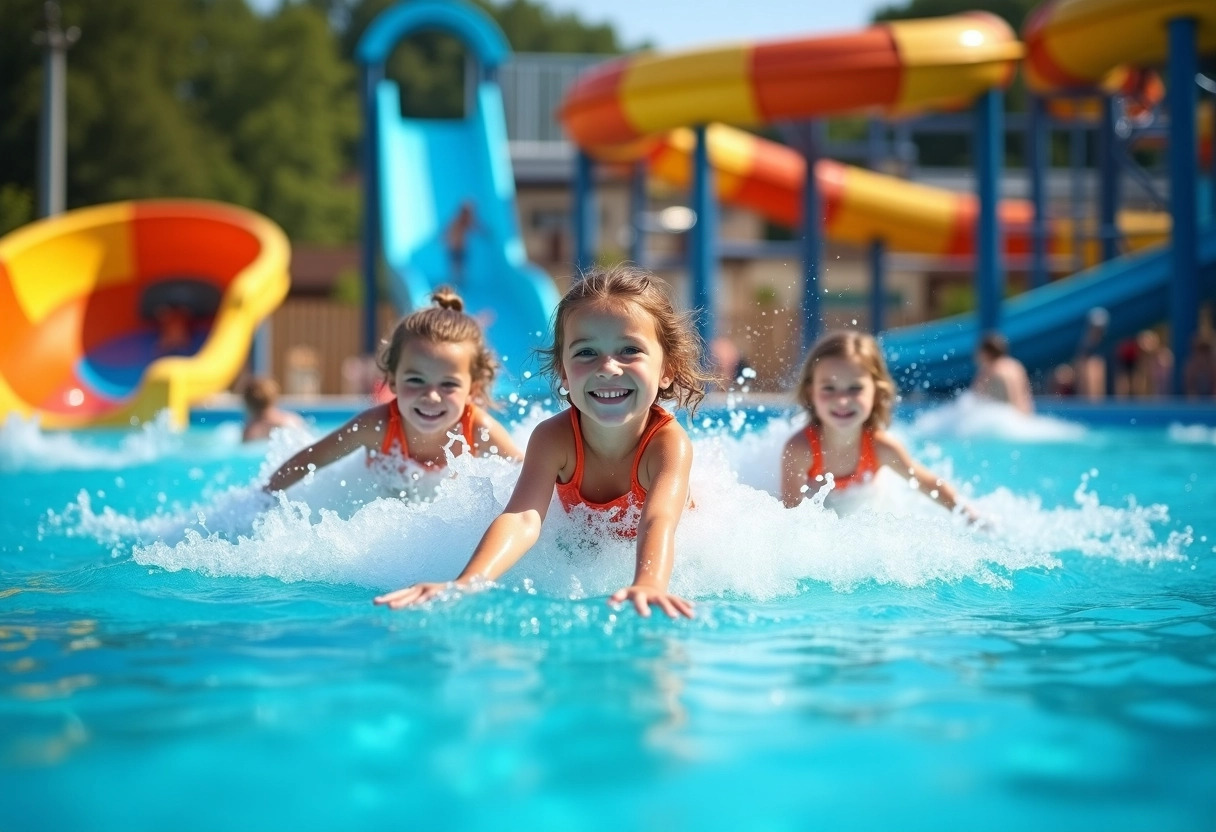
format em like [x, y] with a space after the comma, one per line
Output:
[867, 461]
[395, 434]
[618, 510]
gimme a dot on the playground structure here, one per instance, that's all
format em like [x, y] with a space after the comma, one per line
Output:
[88, 299]
[627, 110]
[422, 174]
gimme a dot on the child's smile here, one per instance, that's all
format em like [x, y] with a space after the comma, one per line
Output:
[433, 384]
[842, 392]
[612, 362]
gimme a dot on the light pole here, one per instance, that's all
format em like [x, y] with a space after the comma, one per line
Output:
[52, 127]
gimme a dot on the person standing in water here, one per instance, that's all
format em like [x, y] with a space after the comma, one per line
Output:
[262, 411]
[619, 348]
[1000, 376]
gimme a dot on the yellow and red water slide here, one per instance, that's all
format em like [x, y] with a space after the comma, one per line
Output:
[1080, 44]
[632, 108]
[81, 345]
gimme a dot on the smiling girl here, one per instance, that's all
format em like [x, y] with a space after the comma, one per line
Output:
[618, 349]
[848, 393]
[439, 368]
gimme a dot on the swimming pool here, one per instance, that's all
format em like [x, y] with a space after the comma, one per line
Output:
[177, 654]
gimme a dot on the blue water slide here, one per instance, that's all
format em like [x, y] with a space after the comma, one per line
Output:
[1044, 326]
[421, 172]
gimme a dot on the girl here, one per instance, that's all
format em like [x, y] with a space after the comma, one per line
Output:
[848, 393]
[618, 348]
[437, 364]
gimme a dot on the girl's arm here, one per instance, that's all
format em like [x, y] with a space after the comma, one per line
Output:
[500, 440]
[515, 530]
[359, 432]
[795, 462]
[893, 455]
[668, 460]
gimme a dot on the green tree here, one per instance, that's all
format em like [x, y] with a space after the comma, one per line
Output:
[429, 68]
[1014, 12]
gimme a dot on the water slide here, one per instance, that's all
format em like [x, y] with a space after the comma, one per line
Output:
[422, 172]
[114, 313]
[632, 108]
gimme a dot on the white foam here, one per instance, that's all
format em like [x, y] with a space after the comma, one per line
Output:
[739, 541]
[1192, 434]
[970, 415]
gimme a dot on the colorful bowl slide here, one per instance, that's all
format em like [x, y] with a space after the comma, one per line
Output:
[632, 108]
[114, 313]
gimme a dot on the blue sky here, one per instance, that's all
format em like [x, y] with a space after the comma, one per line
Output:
[678, 24]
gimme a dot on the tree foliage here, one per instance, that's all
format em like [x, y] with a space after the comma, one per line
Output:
[206, 98]
[1014, 12]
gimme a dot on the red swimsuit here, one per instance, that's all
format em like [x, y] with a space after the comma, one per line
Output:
[867, 461]
[618, 510]
[395, 435]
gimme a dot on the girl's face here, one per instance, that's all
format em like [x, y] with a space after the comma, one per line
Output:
[433, 383]
[612, 362]
[842, 393]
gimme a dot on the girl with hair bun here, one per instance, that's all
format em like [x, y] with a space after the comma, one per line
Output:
[441, 371]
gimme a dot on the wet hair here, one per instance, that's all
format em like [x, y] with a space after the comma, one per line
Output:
[260, 394]
[444, 322]
[860, 347]
[994, 345]
[621, 286]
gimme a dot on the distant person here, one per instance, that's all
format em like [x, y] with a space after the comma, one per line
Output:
[456, 238]
[728, 362]
[1127, 359]
[262, 413]
[173, 329]
[1064, 380]
[440, 371]
[1199, 372]
[1000, 376]
[1154, 366]
[1091, 356]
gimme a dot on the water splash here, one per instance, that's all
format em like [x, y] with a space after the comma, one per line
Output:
[738, 543]
[970, 415]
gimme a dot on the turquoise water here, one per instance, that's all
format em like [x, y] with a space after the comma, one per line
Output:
[176, 653]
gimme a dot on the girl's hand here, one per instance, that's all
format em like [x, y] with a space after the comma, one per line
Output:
[643, 596]
[411, 595]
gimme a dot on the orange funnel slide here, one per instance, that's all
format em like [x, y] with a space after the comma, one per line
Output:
[116, 312]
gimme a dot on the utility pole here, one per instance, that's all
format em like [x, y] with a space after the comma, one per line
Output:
[52, 126]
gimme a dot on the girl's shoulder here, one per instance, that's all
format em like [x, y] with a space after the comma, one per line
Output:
[799, 439]
[556, 428]
[887, 447]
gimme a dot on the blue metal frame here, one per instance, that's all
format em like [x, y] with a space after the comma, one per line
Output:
[637, 213]
[1183, 162]
[810, 144]
[1108, 180]
[370, 77]
[878, 286]
[989, 145]
[702, 259]
[1038, 160]
[585, 221]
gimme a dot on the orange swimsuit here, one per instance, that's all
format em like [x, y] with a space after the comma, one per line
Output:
[618, 510]
[395, 435]
[867, 461]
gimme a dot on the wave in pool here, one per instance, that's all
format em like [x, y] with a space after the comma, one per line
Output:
[738, 543]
